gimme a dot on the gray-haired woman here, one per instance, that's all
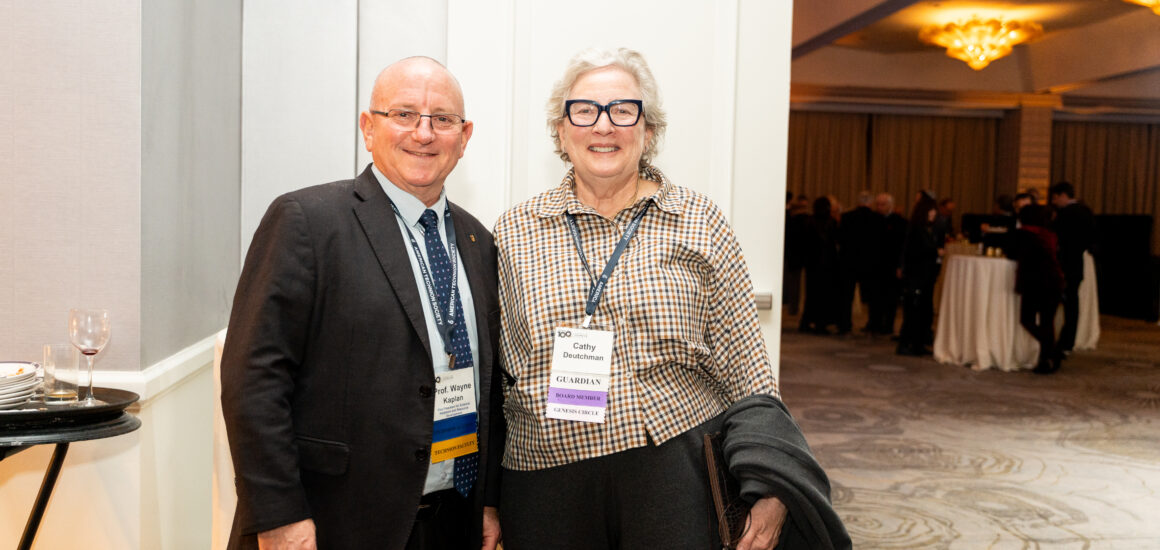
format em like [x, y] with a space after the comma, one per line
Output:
[629, 327]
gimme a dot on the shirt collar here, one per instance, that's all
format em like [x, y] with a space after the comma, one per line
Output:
[563, 197]
[410, 208]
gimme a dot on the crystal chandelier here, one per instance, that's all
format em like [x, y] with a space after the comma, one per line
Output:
[978, 42]
[1154, 4]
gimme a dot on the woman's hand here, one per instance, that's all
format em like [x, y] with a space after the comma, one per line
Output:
[766, 519]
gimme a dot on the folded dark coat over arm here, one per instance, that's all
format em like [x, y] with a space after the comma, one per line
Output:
[768, 454]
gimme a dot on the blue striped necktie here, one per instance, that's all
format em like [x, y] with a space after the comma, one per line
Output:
[466, 467]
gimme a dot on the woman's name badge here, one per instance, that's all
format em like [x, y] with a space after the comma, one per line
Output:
[456, 418]
[581, 368]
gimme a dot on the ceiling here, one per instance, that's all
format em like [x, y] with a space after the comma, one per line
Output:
[1095, 56]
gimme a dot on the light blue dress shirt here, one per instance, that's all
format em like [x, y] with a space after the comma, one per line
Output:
[441, 475]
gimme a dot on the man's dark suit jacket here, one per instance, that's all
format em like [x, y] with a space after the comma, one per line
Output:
[860, 241]
[327, 384]
[1076, 227]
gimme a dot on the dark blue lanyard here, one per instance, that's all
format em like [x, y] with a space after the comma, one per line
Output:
[597, 289]
[444, 324]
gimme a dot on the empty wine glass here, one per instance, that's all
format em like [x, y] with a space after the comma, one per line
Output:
[88, 330]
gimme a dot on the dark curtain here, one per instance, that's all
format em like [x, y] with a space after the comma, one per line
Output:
[845, 153]
[1115, 167]
[953, 156]
[827, 154]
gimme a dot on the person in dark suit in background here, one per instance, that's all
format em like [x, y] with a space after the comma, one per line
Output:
[1076, 227]
[354, 331]
[1004, 206]
[920, 267]
[821, 269]
[1032, 195]
[1021, 200]
[888, 267]
[859, 246]
[995, 230]
[1038, 280]
[944, 222]
[797, 215]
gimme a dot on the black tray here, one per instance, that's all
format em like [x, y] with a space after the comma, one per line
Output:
[36, 414]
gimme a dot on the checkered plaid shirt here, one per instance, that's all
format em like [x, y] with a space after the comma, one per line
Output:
[687, 338]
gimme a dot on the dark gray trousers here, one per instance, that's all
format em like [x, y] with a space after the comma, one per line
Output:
[647, 497]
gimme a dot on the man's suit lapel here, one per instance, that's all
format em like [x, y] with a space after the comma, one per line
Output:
[382, 230]
[473, 263]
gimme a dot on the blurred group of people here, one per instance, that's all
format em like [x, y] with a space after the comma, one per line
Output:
[892, 260]
[839, 253]
[1048, 244]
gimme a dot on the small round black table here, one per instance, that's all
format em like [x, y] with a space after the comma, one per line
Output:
[40, 424]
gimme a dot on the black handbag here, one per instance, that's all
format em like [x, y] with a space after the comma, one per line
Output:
[731, 510]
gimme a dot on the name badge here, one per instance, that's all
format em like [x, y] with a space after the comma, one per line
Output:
[456, 416]
[581, 368]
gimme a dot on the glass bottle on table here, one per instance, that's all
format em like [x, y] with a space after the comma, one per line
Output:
[88, 330]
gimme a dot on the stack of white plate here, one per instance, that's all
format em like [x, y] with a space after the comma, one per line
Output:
[18, 382]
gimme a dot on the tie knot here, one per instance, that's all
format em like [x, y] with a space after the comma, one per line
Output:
[430, 220]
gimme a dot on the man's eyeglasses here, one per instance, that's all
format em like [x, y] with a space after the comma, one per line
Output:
[621, 112]
[441, 123]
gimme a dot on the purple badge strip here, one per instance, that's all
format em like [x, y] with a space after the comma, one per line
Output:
[577, 397]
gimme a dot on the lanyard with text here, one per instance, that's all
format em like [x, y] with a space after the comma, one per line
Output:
[445, 324]
[597, 289]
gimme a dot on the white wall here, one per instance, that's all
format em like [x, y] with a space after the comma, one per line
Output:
[70, 162]
[85, 184]
[299, 63]
[190, 170]
[689, 46]
[7, 175]
[175, 457]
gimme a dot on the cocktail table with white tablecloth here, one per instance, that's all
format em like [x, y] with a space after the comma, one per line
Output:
[978, 321]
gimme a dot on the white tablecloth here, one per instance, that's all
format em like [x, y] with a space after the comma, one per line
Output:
[978, 321]
[1087, 329]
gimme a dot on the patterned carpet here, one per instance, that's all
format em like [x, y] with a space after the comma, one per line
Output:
[932, 456]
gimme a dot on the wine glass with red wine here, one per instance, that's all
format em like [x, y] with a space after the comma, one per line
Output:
[88, 330]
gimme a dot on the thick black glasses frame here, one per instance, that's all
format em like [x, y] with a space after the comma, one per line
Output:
[388, 115]
[603, 109]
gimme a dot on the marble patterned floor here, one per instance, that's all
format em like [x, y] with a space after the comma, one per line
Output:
[932, 456]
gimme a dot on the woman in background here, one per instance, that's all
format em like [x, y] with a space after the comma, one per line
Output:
[920, 266]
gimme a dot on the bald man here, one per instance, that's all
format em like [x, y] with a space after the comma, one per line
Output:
[360, 384]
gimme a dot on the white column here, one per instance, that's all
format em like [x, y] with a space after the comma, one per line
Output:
[299, 79]
[760, 149]
[484, 63]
